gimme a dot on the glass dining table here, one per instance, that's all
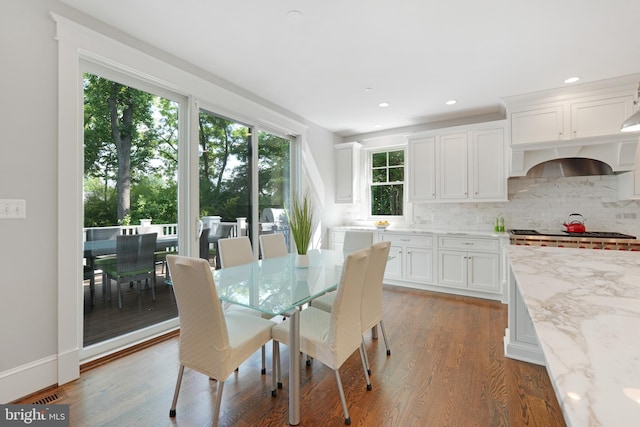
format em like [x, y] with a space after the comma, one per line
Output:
[275, 286]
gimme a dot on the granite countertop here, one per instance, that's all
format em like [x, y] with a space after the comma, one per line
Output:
[585, 307]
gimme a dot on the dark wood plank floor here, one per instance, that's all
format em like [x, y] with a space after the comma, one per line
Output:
[104, 320]
[447, 368]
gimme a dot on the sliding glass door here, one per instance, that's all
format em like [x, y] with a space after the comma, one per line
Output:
[274, 183]
[225, 172]
[131, 141]
[235, 200]
[130, 188]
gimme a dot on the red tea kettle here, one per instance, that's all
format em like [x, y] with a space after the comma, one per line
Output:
[575, 223]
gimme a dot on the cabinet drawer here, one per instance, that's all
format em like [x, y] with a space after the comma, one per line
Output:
[337, 237]
[407, 239]
[470, 244]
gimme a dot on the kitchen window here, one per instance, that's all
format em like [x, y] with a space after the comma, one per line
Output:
[387, 183]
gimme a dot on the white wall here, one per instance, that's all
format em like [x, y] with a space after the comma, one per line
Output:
[28, 152]
[29, 170]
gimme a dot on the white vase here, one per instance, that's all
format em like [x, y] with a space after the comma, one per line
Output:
[302, 261]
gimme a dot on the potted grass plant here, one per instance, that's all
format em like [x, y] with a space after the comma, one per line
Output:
[301, 224]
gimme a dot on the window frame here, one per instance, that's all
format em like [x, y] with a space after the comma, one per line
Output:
[370, 183]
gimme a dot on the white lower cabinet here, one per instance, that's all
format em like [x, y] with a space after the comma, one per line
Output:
[336, 240]
[411, 258]
[453, 263]
[472, 270]
[470, 264]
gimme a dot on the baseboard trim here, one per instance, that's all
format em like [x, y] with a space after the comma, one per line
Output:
[17, 385]
[523, 352]
[126, 351]
[23, 380]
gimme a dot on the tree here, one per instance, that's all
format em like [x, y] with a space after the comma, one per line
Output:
[224, 168]
[118, 129]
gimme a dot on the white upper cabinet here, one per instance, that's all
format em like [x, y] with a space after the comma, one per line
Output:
[572, 113]
[462, 164]
[600, 117]
[489, 165]
[421, 164]
[454, 169]
[537, 124]
[348, 172]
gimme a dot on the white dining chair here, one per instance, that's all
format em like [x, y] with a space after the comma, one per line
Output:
[371, 304]
[273, 245]
[331, 337]
[235, 251]
[355, 240]
[212, 342]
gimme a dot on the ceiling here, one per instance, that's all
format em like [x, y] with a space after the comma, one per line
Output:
[334, 61]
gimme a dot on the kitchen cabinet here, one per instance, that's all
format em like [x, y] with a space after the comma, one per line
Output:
[537, 124]
[348, 172]
[411, 257]
[469, 263]
[488, 165]
[454, 168]
[462, 164]
[336, 240]
[629, 185]
[600, 117]
[629, 182]
[575, 118]
[421, 163]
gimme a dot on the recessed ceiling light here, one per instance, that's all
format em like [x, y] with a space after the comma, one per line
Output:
[451, 102]
[572, 79]
[368, 89]
[294, 16]
[377, 126]
[383, 104]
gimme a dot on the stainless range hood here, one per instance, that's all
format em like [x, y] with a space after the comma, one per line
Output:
[569, 166]
[574, 158]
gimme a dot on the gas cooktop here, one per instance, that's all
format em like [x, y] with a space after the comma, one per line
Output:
[595, 234]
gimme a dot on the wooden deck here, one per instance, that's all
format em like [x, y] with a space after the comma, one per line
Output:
[104, 320]
[447, 368]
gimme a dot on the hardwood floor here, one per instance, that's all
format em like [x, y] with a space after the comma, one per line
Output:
[447, 368]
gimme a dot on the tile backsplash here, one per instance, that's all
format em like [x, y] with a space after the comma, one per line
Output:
[536, 203]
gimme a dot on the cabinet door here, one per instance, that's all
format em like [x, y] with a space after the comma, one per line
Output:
[422, 169]
[453, 166]
[394, 264]
[600, 117]
[452, 269]
[483, 272]
[537, 125]
[488, 165]
[347, 159]
[337, 240]
[419, 265]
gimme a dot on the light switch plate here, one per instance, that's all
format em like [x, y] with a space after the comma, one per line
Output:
[13, 209]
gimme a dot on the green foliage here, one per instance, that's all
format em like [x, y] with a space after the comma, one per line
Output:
[387, 175]
[151, 124]
[301, 222]
[386, 199]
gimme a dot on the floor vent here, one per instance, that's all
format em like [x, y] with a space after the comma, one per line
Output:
[50, 398]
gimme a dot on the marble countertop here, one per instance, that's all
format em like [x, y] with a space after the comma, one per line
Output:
[585, 307]
[410, 230]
